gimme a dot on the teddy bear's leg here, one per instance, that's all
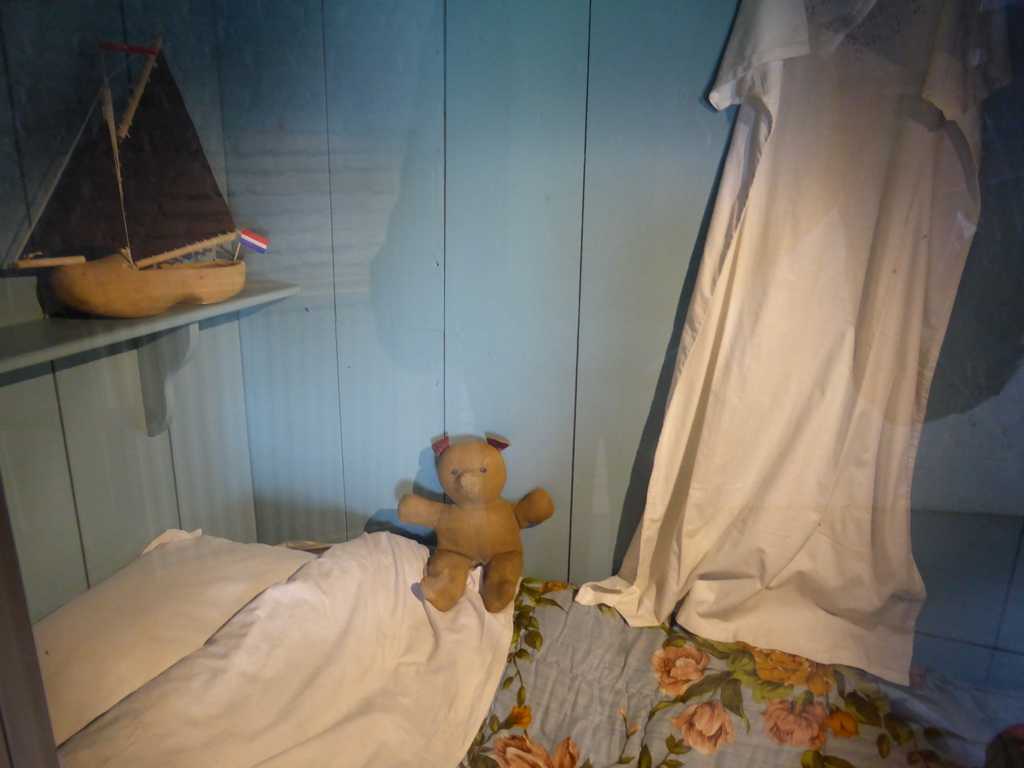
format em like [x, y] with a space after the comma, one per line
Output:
[446, 579]
[501, 579]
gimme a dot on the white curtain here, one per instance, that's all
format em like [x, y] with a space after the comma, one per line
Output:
[778, 507]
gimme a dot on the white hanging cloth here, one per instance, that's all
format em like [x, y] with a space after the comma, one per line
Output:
[778, 504]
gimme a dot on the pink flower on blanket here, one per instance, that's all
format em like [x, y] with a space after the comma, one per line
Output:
[678, 668]
[705, 726]
[786, 725]
[520, 751]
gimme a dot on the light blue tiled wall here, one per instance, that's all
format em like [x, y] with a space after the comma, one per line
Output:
[973, 567]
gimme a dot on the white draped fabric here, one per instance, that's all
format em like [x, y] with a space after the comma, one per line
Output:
[345, 665]
[778, 505]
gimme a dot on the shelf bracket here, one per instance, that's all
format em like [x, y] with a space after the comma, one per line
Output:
[161, 356]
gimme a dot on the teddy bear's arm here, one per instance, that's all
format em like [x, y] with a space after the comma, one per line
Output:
[416, 510]
[535, 507]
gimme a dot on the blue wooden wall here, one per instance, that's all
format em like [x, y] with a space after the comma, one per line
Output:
[492, 210]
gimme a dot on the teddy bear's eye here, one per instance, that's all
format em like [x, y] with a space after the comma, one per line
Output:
[483, 469]
[455, 471]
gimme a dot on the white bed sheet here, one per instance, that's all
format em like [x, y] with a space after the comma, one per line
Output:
[162, 606]
[343, 665]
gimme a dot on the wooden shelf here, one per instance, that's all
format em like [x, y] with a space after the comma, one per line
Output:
[52, 338]
[165, 342]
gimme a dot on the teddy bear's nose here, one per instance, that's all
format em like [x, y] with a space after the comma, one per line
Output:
[468, 481]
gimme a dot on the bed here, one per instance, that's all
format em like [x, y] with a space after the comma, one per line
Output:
[204, 652]
[582, 688]
[307, 661]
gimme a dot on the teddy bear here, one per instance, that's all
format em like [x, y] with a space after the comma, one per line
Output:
[478, 527]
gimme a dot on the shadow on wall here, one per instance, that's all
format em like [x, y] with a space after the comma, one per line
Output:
[290, 502]
[424, 484]
[984, 344]
[406, 273]
[639, 477]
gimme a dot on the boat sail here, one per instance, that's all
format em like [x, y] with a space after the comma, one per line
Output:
[136, 219]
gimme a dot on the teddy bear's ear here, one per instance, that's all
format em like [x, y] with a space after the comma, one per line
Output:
[498, 443]
[440, 445]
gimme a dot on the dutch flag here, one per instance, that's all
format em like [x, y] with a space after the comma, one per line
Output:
[254, 241]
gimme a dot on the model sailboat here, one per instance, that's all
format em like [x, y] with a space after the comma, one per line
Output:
[136, 222]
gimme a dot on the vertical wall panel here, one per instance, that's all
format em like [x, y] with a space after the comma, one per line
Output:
[291, 398]
[123, 479]
[385, 95]
[276, 153]
[37, 482]
[516, 100]
[209, 438]
[653, 148]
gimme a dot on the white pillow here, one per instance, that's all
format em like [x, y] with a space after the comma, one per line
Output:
[166, 603]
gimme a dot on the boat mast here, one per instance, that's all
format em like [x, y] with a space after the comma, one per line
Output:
[118, 134]
[108, 117]
[140, 82]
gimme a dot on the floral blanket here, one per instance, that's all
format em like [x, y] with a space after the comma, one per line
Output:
[582, 689]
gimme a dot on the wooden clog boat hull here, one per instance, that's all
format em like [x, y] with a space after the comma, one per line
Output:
[147, 197]
[112, 287]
